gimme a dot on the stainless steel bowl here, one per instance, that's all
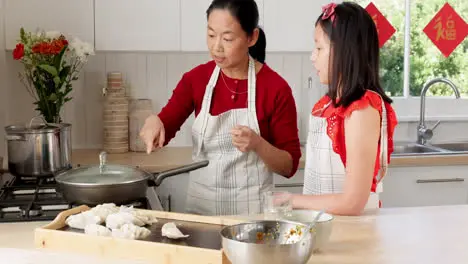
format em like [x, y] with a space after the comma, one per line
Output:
[272, 242]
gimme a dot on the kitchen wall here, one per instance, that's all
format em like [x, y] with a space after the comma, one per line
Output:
[148, 75]
[154, 75]
[3, 87]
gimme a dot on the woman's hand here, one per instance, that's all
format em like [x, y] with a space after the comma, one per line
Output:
[152, 133]
[245, 139]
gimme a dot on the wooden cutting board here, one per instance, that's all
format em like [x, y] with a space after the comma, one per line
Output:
[202, 246]
[23, 256]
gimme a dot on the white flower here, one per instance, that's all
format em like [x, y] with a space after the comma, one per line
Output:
[53, 34]
[81, 49]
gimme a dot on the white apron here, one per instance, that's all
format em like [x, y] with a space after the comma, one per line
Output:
[233, 182]
[324, 171]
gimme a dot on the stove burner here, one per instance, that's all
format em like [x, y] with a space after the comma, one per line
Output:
[32, 212]
[37, 199]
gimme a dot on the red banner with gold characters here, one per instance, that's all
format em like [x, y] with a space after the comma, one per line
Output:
[446, 30]
[384, 28]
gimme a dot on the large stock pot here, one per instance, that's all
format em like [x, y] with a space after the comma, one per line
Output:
[38, 150]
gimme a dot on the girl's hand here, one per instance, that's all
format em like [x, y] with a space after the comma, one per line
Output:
[245, 139]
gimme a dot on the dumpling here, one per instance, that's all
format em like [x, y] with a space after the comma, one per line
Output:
[81, 220]
[128, 215]
[127, 209]
[146, 218]
[115, 221]
[104, 210]
[170, 230]
[131, 231]
[97, 230]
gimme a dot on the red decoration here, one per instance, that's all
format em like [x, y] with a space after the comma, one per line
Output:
[446, 30]
[384, 28]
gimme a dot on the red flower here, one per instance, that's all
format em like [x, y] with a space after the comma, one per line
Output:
[52, 48]
[18, 52]
[44, 48]
[36, 48]
[57, 45]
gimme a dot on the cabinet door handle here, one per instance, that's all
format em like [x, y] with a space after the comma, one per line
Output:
[284, 185]
[441, 180]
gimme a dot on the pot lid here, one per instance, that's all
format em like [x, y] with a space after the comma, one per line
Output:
[42, 127]
[107, 174]
[32, 129]
[103, 174]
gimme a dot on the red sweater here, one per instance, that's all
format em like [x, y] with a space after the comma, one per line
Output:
[276, 108]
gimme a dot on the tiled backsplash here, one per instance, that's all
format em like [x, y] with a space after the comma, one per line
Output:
[154, 76]
[148, 75]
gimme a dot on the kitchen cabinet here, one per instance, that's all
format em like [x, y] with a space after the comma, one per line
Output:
[75, 18]
[425, 186]
[194, 23]
[145, 25]
[173, 192]
[294, 184]
[289, 25]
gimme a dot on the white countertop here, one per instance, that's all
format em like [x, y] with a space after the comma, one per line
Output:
[18, 235]
[17, 245]
[429, 235]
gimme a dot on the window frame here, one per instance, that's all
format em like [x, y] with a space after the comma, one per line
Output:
[407, 107]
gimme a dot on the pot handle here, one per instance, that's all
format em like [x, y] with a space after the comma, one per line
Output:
[159, 177]
[14, 138]
[37, 117]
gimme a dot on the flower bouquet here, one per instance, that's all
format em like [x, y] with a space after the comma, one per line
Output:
[51, 62]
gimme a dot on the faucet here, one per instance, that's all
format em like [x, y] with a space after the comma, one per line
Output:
[424, 133]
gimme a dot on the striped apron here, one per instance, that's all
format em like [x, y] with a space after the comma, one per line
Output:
[324, 170]
[234, 181]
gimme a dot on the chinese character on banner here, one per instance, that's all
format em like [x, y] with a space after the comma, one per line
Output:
[384, 28]
[446, 30]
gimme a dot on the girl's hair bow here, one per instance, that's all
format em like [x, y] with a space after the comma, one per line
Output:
[329, 11]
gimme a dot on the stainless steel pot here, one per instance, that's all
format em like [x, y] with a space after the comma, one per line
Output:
[38, 150]
[108, 183]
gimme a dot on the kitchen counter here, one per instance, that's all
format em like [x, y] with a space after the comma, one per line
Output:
[159, 160]
[172, 157]
[429, 160]
[397, 235]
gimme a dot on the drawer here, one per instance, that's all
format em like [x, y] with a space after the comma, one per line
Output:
[425, 186]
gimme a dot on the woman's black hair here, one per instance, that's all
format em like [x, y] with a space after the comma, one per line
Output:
[354, 54]
[246, 12]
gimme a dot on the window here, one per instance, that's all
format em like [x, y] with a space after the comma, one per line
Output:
[425, 59]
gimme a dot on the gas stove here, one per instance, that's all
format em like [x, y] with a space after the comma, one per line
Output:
[36, 199]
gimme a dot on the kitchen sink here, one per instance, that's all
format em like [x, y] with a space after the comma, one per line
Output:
[453, 146]
[412, 149]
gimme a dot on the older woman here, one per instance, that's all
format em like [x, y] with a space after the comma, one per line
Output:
[246, 120]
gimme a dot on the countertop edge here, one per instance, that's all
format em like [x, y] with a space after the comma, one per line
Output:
[173, 157]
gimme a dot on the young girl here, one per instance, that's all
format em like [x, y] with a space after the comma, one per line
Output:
[351, 128]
